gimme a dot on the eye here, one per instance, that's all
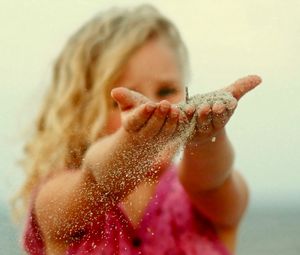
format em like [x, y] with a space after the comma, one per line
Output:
[166, 91]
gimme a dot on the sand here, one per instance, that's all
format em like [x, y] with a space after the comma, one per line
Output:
[188, 129]
[132, 165]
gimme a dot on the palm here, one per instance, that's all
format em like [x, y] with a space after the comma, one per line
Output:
[213, 110]
[145, 118]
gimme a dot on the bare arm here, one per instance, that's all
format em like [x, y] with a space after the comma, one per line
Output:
[222, 194]
[206, 170]
[68, 203]
[216, 189]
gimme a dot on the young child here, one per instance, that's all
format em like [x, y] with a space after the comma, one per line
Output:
[100, 173]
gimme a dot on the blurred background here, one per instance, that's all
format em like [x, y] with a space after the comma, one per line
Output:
[226, 40]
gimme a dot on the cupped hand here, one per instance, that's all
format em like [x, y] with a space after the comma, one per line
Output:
[213, 110]
[147, 119]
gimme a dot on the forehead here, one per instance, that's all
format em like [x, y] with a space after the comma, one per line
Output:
[155, 61]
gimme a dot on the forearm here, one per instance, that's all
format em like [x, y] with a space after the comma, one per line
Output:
[206, 164]
[207, 174]
[119, 163]
[69, 202]
[225, 204]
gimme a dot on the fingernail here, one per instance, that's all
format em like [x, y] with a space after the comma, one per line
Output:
[174, 114]
[163, 108]
[150, 107]
[231, 105]
[219, 109]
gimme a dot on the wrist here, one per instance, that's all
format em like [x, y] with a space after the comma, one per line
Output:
[200, 139]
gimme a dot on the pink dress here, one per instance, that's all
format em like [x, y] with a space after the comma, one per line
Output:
[170, 226]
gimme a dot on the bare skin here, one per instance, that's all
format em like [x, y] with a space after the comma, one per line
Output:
[88, 193]
[206, 170]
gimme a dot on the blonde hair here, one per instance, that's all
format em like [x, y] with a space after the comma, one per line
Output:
[75, 109]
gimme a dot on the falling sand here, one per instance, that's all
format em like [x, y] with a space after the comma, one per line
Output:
[188, 129]
[131, 165]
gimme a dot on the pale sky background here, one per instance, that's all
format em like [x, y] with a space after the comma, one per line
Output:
[226, 40]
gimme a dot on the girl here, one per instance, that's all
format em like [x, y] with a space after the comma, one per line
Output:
[100, 176]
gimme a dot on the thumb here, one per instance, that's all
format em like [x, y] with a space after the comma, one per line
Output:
[242, 86]
[123, 97]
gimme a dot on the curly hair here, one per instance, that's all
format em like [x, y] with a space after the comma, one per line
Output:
[75, 108]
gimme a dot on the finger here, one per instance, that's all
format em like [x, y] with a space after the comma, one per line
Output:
[218, 107]
[183, 119]
[219, 116]
[204, 119]
[231, 106]
[157, 119]
[170, 125]
[139, 117]
[203, 112]
[243, 86]
[189, 111]
[127, 98]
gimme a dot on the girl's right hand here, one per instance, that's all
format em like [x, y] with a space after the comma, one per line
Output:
[146, 119]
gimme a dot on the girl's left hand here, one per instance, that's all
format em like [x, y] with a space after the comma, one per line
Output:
[215, 110]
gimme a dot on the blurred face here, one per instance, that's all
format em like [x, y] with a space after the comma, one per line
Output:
[153, 70]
